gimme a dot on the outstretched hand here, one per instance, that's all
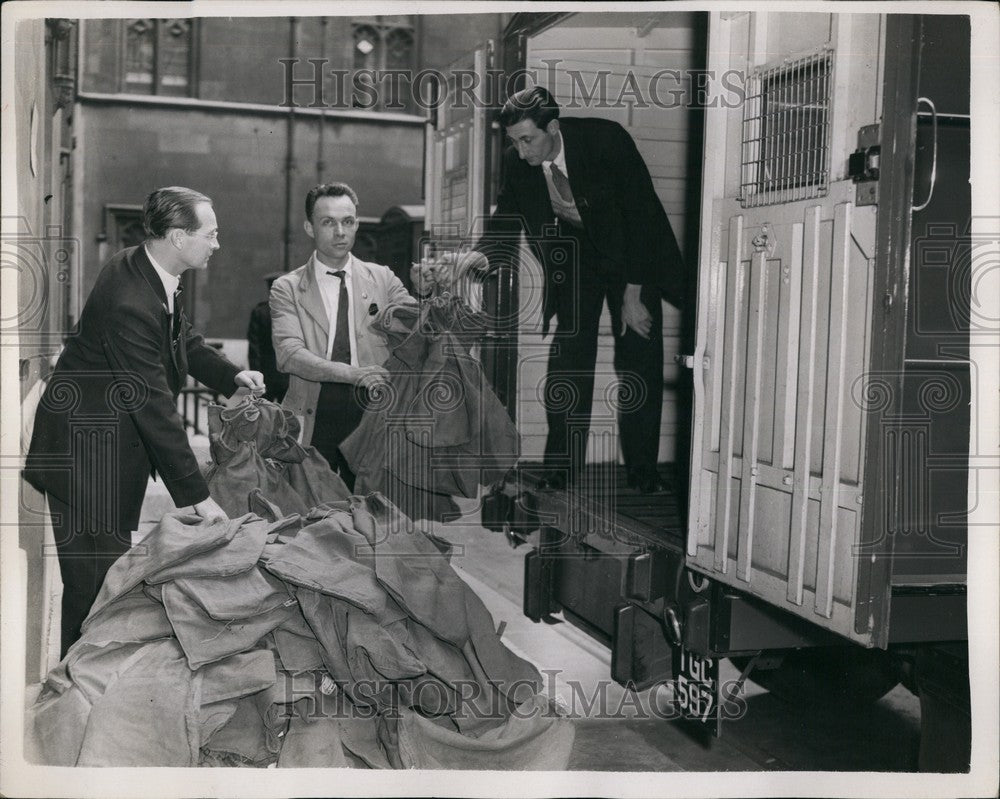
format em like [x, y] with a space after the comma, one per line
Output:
[251, 380]
[445, 271]
[372, 377]
[210, 511]
[422, 278]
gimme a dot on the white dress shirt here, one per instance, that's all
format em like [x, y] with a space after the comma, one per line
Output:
[329, 286]
[170, 282]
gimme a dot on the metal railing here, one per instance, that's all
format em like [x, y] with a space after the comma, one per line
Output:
[191, 402]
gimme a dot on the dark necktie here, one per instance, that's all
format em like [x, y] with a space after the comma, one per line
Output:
[342, 337]
[175, 318]
[561, 182]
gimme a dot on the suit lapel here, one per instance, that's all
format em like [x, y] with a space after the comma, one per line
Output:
[145, 268]
[311, 301]
[536, 194]
[177, 354]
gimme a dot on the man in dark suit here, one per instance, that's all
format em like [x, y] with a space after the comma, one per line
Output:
[260, 347]
[582, 194]
[108, 417]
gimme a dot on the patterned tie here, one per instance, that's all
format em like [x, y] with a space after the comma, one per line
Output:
[342, 337]
[175, 318]
[561, 182]
[565, 208]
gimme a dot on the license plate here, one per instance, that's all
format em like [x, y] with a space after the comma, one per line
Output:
[696, 689]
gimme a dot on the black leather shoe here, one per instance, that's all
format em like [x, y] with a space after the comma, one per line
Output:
[552, 482]
[646, 481]
[652, 484]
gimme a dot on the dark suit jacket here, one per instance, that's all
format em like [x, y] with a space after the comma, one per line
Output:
[260, 352]
[109, 413]
[621, 214]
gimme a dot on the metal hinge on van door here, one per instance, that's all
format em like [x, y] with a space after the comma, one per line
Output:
[863, 165]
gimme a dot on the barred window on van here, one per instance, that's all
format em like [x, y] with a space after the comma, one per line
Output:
[786, 132]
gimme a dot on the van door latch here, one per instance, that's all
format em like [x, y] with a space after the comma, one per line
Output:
[863, 165]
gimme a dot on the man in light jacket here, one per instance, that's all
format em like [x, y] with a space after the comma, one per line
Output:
[322, 315]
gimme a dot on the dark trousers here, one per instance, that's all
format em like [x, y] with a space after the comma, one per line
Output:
[587, 283]
[87, 547]
[338, 413]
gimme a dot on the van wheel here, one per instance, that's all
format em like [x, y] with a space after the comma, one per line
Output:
[832, 675]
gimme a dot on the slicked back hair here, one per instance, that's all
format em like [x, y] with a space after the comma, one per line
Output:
[170, 207]
[328, 190]
[535, 104]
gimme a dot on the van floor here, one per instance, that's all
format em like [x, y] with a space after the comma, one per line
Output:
[618, 731]
[603, 494]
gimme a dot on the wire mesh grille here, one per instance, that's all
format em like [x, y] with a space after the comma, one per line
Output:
[786, 128]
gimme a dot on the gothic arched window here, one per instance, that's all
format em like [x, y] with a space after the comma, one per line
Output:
[367, 47]
[385, 43]
[399, 49]
[159, 56]
[140, 55]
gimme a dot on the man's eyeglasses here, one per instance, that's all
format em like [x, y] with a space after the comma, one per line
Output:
[213, 236]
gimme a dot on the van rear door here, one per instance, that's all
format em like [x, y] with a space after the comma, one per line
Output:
[785, 312]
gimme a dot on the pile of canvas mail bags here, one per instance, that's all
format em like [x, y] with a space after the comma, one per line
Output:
[341, 638]
[338, 636]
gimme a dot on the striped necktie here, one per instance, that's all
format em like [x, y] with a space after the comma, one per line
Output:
[565, 207]
[175, 317]
[561, 182]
